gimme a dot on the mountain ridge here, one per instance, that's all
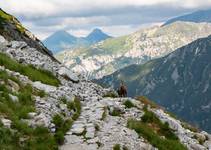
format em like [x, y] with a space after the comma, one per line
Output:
[179, 81]
[197, 17]
[63, 40]
[113, 54]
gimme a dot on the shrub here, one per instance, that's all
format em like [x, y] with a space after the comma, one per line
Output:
[115, 112]
[63, 99]
[41, 93]
[59, 137]
[71, 106]
[58, 121]
[116, 147]
[128, 104]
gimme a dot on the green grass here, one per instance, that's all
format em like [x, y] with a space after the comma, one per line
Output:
[128, 104]
[21, 137]
[110, 94]
[4, 17]
[115, 112]
[152, 129]
[125, 148]
[116, 147]
[104, 113]
[63, 125]
[33, 73]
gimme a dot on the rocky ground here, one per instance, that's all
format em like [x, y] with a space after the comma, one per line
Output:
[97, 127]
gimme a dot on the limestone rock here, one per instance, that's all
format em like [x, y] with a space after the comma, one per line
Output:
[13, 86]
[66, 73]
[44, 87]
[13, 98]
[6, 122]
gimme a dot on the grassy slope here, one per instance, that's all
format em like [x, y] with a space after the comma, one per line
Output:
[157, 133]
[38, 138]
[28, 70]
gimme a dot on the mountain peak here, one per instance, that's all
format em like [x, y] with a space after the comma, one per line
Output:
[63, 33]
[97, 35]
[97, 30]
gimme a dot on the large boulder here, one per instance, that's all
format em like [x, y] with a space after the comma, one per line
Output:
[44, 87]
[68, 74]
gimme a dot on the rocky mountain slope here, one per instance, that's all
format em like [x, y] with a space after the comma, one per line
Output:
[198, 16]
[62, 40]
[44, 105]
[12, 29]
[179, 81]
[113, 54]
[62, 110]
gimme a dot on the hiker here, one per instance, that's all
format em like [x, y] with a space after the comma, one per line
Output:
[122, 90]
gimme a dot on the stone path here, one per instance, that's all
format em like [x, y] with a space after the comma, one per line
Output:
[91, 131]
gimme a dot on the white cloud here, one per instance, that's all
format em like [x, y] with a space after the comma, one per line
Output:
[116, 17]
[39, 8]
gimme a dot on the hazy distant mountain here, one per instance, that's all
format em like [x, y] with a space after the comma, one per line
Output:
[59, 40]
[198, 16]
[113, 54]
[180, 81]
[62, 40]
[96, 36]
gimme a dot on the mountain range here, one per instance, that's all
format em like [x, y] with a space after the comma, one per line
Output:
[62, 40]
[197, 17]
[110, 55]
[179, 81]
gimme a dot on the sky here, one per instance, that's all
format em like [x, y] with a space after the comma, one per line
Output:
[79, 17]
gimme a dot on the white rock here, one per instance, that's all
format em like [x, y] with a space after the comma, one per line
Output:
[207, 144]
[197, 147]
[32, 114]
[18, 44]
[90, 132]
[63, 106]
[44, 87]
[6, 122]
[63, 71]
[13, 98]
[78, 130]
[2, 39]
